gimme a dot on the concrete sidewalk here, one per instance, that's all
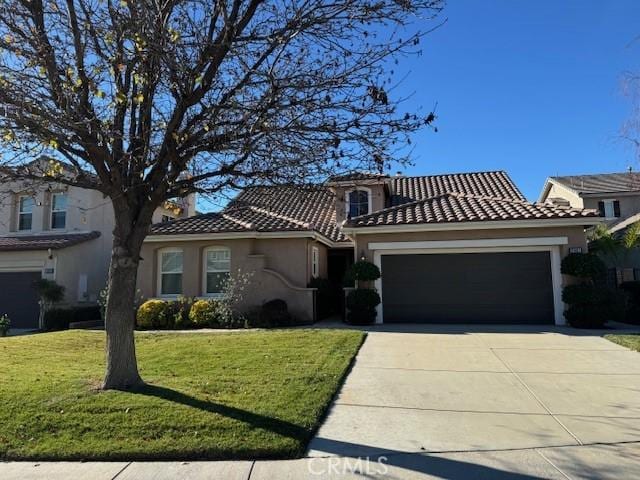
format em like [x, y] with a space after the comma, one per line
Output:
[619, 461]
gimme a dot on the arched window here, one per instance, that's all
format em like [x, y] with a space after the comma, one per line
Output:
[358, 202]
[217, 268]
[170, 272]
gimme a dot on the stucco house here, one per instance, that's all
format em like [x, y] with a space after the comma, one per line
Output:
[616, 196]
[58, 232]
[453, 248]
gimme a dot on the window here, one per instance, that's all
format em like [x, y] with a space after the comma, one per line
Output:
[609, 208]
[358, 203]
[25, 214]
[58, 211]
[166, 218]
[315, 262]
[217, 267]
[170, 270]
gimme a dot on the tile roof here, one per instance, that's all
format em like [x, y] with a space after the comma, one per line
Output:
[491, 184]
[355, 176]
[267, 209]
[44, 242]
[458, 207]
[458, 197]
[601, 183]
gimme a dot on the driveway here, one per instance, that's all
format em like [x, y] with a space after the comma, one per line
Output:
[515, 397]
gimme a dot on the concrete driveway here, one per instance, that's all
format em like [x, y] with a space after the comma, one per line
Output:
[518, 399]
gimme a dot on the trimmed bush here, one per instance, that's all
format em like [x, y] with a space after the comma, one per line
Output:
[152, 314]
[362, 270]
[362, 304]
[60, 318]
[585, 266]
[208, 313]
[274, 313]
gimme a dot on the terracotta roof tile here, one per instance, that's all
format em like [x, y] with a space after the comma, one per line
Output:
[457, 207]
[491, 184]
[426, 199]
[267, 209]
[44, 242]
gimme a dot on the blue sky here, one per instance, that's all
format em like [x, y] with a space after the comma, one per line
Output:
[531, 87]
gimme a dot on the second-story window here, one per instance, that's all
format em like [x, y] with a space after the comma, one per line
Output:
[609, 208]
[358, 203]
[25, 212]
[58, 211]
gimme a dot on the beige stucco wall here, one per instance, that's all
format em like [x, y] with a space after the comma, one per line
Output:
[557, 191]
[279, 268]
[575, 235]
[629, 204]
[87, 210]
[377, 198]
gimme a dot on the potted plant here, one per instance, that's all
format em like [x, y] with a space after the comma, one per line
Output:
[5, 325]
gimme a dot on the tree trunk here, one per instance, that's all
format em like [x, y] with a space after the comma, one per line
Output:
[122, 367]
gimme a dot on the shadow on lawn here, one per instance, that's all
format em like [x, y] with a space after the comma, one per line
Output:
[281, 427]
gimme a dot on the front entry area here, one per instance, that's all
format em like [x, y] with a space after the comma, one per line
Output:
[490, 288]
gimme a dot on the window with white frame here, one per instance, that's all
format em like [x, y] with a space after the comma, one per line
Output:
[58, 211]
[315, 262]
[166, 218]
[25, 212]
[170, 272]
[217, 265]
[358, 203]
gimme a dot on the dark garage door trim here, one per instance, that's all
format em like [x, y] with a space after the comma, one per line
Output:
[554, 252]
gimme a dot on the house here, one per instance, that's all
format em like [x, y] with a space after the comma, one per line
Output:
[62, 233]
[616, 196]
[462, 247]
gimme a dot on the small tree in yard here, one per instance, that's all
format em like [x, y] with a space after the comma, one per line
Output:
[148, 101]
[49, 293]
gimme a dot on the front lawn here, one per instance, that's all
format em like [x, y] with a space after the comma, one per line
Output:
[630, 341]
[209, 396]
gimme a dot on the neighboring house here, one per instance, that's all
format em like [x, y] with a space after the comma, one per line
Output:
[617, 198]
[452, 248]
[61, 233]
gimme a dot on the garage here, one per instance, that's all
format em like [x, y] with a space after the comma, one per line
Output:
[18, 298]
[478, 287]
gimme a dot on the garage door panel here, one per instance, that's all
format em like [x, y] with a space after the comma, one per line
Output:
[505, 287]
[18, 298]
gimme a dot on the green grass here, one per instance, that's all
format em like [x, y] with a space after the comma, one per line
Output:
[630, 341]
[209, 396]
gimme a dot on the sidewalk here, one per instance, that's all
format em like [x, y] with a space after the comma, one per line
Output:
[612, 461]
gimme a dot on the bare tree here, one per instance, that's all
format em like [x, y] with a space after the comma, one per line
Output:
[151, 100]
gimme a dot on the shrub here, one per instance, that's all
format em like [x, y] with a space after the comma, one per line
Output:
[177, 313]
[584, 265]
[5, 325]
[362, 303]
[60, 318]
[208, 313]
[584, 293]
[633, 306]
[274, 313]
[151, 314]
[364, 271]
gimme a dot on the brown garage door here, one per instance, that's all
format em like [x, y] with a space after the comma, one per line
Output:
[468, 288]
[18, 298]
